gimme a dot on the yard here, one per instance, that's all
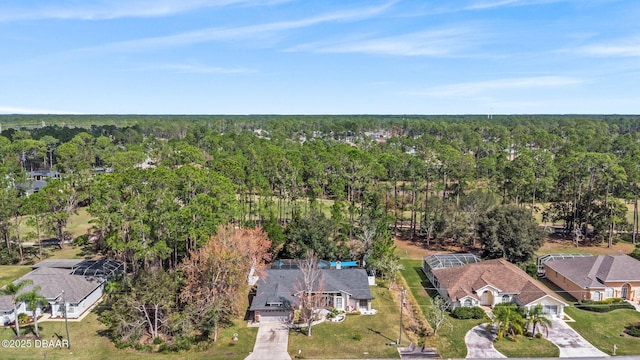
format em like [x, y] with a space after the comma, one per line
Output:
[87, 342]
[604, 330]
[358, 336]
[450, 338]
[525, 347]
[9, 273]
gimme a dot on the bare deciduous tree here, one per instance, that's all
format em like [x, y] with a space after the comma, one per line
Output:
[438, 317]
[309, 289]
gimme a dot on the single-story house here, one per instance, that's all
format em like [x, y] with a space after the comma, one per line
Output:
[597, 277]
[491, 282]
[74, 285]
[275, 298]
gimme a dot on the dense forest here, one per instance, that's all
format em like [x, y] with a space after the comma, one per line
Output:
[160, 187]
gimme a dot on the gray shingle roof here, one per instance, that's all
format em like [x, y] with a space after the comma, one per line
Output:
[58, 263]
[595, 271]
[53, 280]
[5, 303]
[280, 286]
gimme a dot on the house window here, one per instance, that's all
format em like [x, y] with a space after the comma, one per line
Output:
[364, 303]
[608, 292]
[506, 298]
[596, 296]
[468, 303]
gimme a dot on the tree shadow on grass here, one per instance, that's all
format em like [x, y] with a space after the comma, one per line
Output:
[381, 334]
[426, 284]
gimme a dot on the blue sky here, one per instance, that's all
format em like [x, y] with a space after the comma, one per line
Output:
[320, 57]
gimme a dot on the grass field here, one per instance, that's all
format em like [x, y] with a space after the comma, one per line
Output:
[604, 330]
[88, 343]
[450, 338]
[527, 347]
[77, 225]
[340, 340]
[8, 273]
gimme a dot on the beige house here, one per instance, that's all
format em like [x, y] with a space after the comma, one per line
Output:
[492, 282]
[597, 277]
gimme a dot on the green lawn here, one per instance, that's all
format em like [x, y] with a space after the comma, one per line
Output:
[8, 273]
[450, 339]
[77, 225]
[336, 340]
[527, 347]
[88, 343]
[604, 330]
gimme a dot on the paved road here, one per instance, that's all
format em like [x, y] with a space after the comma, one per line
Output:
[271, 342]
[480, 344]
[571, 344]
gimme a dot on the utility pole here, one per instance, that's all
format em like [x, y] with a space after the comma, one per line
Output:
[401, 306]
[66, 320]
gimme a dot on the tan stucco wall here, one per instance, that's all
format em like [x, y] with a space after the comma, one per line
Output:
[567, 285]
[585, 294]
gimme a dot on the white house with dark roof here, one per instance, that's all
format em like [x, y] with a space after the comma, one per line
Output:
[77, 283]
[275, 298]
[597, 277]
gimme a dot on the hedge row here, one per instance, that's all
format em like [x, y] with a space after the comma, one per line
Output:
[468, 313]
[604, 305]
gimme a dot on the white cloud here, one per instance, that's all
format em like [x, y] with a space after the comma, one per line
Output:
[250, 31]
[623, 49]
[475, 88]
[482, 5]
[442, 42]
[73, 10]
[196, 69]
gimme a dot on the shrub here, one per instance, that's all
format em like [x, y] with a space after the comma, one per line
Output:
[23, 318]
[604, 305]
[464, 313]
[538, 335]
[633, 330]
[357, 337]
[81, 240]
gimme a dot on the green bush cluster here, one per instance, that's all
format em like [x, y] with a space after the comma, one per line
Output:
[633, 330]
[604, 305]
[464, 313]
[23, 318]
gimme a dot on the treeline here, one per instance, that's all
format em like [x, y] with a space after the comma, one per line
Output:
[422, 173]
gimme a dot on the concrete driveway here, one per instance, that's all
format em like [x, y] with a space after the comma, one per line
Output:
[480, 344]
[571, 344]
[271, 342]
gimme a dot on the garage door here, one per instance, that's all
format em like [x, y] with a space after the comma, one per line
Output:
[550, 309]
[274, 316]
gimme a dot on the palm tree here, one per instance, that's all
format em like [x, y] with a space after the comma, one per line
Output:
[12, 289]
[508, 320]
[538, 318]
[33, 299]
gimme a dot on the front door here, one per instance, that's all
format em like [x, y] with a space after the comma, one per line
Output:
[339, 303]
[625, 291]
[487, 298]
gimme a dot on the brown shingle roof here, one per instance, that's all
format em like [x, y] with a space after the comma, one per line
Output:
[499, 273]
